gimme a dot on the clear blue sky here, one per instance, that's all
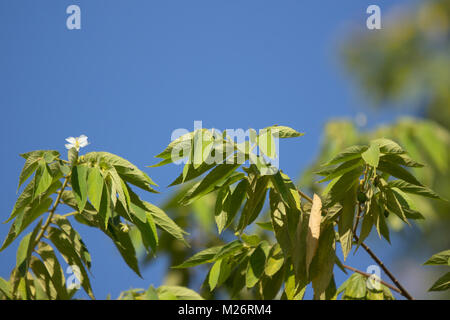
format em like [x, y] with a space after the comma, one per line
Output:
[139, 69]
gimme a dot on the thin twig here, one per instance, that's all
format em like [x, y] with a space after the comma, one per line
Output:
[368, 275]
[403, 291]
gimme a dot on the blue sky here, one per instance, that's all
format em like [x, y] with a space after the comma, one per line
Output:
[137, 70]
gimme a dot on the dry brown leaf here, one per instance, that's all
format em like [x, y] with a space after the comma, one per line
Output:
[312, 238]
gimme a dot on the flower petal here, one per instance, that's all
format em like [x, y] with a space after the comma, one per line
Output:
[71, 139]
[83, 143]
[82, 139]
[69, 146]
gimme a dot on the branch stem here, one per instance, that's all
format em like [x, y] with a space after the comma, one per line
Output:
[52, 211]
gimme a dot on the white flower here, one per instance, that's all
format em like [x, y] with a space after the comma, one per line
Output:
[77, 143]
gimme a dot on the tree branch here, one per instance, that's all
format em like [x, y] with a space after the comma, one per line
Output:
[368, 275]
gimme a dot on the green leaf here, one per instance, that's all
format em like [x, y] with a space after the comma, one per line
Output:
[435, 146]
[43, 179]
[413, 189]
[95, 187]
[105, 208]
[356, 287]
[398, 172]
[255, 268]
[350, 153]
[441, 258]
[192, 173]
[181, 293]
[125, 169]
[278, 212]
[74, 238]
[163, 221]
[123, 243]
[79, 185]
[212, 179]
[401, 159]
[219, 273]
[228, 250]
[147, 229]
[184, 139]
[25, 218]
[150, 294]
[284, 132]
[266, 225]
[236, 199]
[393, 204]
[275, 261]
[372, 155]
[379, 219]
[52, 271]
[31, 164]
[323, 263]
[25, 250]
[292, 289]
[388, 146]
[5, 288]
[442, 284]
[222, 208]
[72, 156]
[286, 189]
[202, 257]
[251, 240]
[339, 188]
[345, 223]
[64, 246]
[255, 202]
[340, 170]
